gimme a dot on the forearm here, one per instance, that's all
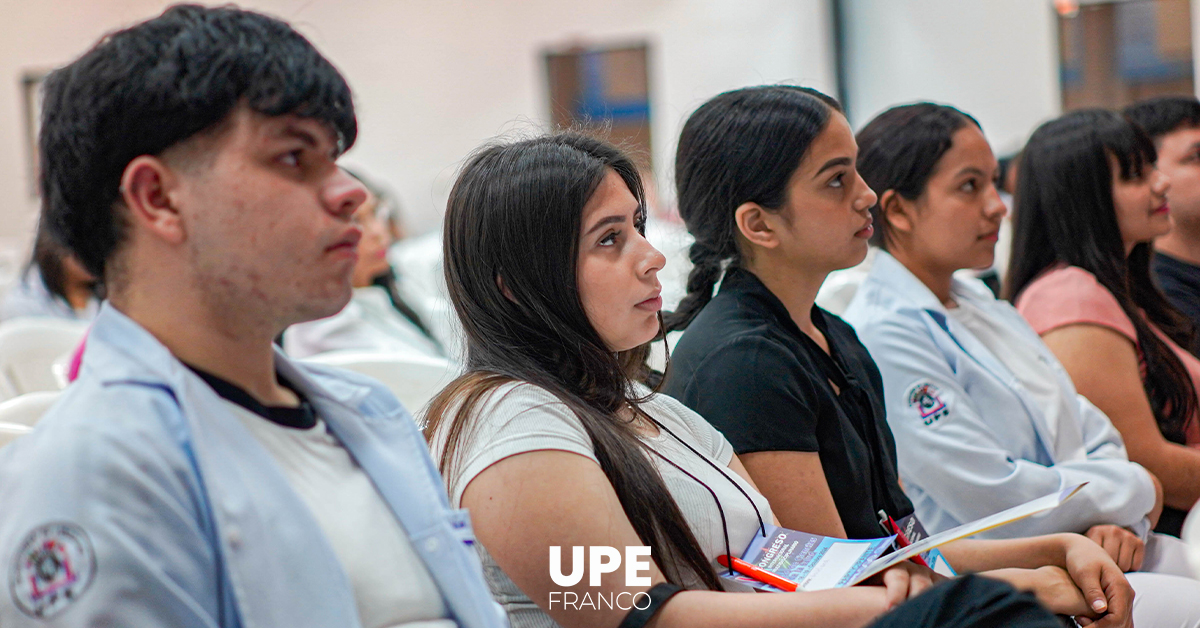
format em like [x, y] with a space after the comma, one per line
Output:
[1177, 467]
[843, 608]
[972, 555]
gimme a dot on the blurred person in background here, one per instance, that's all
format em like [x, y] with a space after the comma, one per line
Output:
[53, 284]
[1090, 202]
[378, 318]
[1173, 122]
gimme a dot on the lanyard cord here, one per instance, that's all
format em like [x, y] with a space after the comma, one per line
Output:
[720, 510]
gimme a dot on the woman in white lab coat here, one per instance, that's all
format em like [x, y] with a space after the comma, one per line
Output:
[983, 414]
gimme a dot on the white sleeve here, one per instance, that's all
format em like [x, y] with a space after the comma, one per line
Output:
[948, 449]
[515, 419]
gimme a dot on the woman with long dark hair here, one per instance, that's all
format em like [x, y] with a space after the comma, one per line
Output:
[767, 186]
[977, 403]
[1089, 202]
[551, 444]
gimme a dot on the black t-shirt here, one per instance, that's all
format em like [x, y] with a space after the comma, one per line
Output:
[302, 417]
[745, 366]
[1180, 281]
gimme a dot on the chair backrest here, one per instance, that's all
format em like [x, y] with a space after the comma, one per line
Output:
[28, 349]
[10, 432]
[27, 409]
[414, 379]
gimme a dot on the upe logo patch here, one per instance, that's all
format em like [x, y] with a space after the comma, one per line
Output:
[53, 567]
[927, 399]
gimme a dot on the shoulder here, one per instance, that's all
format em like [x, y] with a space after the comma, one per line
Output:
[1070, 295]
[743, 355]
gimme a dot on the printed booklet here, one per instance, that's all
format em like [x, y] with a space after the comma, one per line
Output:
[790, 560]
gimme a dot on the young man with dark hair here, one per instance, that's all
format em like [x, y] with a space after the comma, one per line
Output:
[193, 476]
[1174, 123]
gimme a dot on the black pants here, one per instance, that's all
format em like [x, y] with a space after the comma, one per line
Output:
[970, 602]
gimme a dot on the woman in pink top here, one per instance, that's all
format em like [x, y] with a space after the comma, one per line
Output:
[1089, 203]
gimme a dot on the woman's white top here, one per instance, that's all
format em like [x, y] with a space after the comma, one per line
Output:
[520, 417]
[392, 586]
[369, 322]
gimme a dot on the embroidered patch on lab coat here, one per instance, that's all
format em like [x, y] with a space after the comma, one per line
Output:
[927, 399]
[53, 567]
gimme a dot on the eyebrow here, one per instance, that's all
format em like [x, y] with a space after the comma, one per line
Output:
[970, 170]
[606, 221]
[833, 163]
[307, 137]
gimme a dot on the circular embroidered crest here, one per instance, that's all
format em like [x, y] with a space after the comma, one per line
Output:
[927, 400]
[53, 567]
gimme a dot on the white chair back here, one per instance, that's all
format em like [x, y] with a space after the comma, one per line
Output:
[28, 350]
[414, 379]
[27, 409]
[10, 432]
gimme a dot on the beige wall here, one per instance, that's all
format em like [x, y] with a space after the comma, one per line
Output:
[435, 78]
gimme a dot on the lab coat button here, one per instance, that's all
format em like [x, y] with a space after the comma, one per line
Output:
[234, 537]
[432, 545]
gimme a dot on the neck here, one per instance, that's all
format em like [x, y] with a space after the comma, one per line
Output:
[937, 280]
[207, 337]
[1181, 243]
[796, 290]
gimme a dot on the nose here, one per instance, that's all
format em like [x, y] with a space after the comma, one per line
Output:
[1162, 182]
[343, 194]
[867, 198]
[652, 259]
[996, 209]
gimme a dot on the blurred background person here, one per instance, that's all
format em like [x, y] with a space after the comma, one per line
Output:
[53, 284]
[378, 318]
[1173, 123]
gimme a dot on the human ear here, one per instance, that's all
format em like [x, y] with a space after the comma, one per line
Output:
[147, 187]
[755, 224]
[897, 211]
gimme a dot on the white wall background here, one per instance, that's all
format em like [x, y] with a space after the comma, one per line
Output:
[435, 78]
[994, 59]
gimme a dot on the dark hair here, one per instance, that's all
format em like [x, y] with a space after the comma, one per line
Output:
[144, 89]
[742, 146]
[1065, 215]
[900, 149]
[511, 245]
[49, 258]
[1160, 116]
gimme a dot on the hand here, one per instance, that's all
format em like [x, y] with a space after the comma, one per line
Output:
[1056, 591]
[1101, 581]
[905, 581]
[1125, 548]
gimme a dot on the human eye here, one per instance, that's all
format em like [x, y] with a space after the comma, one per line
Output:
[838, 180]
[609, 238]
[291, 158]
[639, 221]
[970, 185]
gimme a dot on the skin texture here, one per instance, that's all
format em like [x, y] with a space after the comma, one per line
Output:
[955, 221]
[372, 249]
[618, 269]
[525, 503]
[1179, 160]
[1141, 204]
[821, 230]
[234, 236]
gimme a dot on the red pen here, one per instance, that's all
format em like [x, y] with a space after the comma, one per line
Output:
[757, 573]
[890, 525]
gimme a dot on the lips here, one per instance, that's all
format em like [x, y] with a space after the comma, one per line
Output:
[652, 304]
[867, 231]
[348, 241]
[991, 236]
[1162, 209]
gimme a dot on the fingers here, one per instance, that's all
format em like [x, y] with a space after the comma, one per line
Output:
[918, 582]
[1120, 600]
[1139, 556]
[896, 581]
[1127, 550]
